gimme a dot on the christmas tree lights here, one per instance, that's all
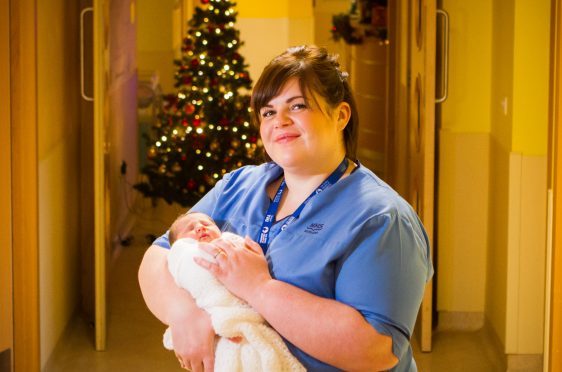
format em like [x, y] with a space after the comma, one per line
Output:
[204, 129]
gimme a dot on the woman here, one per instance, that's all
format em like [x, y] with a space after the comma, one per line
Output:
[342, 260]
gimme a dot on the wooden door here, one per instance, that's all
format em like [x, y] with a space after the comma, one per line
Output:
[421, 131]
[24, 183]
[411, 138]
[100, 151]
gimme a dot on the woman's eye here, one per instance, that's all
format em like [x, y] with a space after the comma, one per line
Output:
[298, 106]
[268, 113]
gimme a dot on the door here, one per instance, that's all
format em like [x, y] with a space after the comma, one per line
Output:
[101, 154]
[94, 152]
[412, 85]
[421, 131]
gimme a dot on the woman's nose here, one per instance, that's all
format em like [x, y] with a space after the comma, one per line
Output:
[283, 119]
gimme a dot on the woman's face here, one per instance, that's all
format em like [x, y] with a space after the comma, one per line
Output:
[299, 135]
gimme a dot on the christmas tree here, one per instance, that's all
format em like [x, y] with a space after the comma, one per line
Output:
[204, 129]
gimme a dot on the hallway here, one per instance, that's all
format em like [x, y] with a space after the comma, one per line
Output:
[134, 335]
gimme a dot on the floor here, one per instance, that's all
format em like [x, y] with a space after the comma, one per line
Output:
[134, 336]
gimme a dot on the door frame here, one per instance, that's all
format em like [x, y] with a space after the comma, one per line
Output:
[24, 165]
[6, 300]
[553, 333]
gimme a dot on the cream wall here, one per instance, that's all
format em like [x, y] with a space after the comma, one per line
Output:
[492, 183]
[267, 28]
[59, 127]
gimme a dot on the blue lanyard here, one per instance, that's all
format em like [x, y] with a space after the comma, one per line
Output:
[274, 205]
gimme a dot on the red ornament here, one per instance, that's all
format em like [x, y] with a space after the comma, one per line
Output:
[191, 184]
[184, 122]
[194, 62]
[189, 109]
[196, 122]
[204, 1]
[224, 122]
[253, 139]
[184, 157]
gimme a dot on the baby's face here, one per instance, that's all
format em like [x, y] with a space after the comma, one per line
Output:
[199, 227]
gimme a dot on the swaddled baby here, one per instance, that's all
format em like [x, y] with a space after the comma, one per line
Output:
[257, 347]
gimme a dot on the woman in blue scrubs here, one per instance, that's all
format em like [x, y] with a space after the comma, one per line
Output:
[336, 261]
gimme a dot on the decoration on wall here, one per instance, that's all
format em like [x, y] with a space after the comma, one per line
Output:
[365, 18]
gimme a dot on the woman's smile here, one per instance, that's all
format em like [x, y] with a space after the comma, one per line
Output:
[283, 138]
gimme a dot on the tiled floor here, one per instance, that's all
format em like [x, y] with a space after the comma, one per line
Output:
[134, 335]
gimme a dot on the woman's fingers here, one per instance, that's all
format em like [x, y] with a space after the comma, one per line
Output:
[252, 245]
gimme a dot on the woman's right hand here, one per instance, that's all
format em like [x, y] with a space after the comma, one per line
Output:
[194, 340]
[192, 333]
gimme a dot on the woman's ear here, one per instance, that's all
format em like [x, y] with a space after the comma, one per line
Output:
[343, 112]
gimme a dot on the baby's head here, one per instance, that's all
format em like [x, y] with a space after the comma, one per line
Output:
[194, 225]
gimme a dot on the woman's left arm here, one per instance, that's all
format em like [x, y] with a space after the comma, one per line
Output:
[328, 330]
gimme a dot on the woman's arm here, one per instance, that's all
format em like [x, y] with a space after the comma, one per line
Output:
[328, 330]
[192, 332]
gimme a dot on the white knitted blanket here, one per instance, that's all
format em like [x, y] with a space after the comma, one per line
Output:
[261, 349]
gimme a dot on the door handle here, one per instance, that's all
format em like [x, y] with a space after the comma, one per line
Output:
[82, 92]
[445, 57]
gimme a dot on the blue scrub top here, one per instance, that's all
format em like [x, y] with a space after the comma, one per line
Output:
[357, 242]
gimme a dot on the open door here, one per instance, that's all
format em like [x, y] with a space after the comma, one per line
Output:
[94, 152]
[421, 131]
[412, 85]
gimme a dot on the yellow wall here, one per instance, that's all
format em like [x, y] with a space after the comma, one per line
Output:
[58, 126]
[492, 190]
[531, 77]
[468, 107]
[155, 50]
[274, 9]
[267, 28]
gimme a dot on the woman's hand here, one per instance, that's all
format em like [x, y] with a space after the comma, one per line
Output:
[194, 340]
[192, 333]
[242, 271]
